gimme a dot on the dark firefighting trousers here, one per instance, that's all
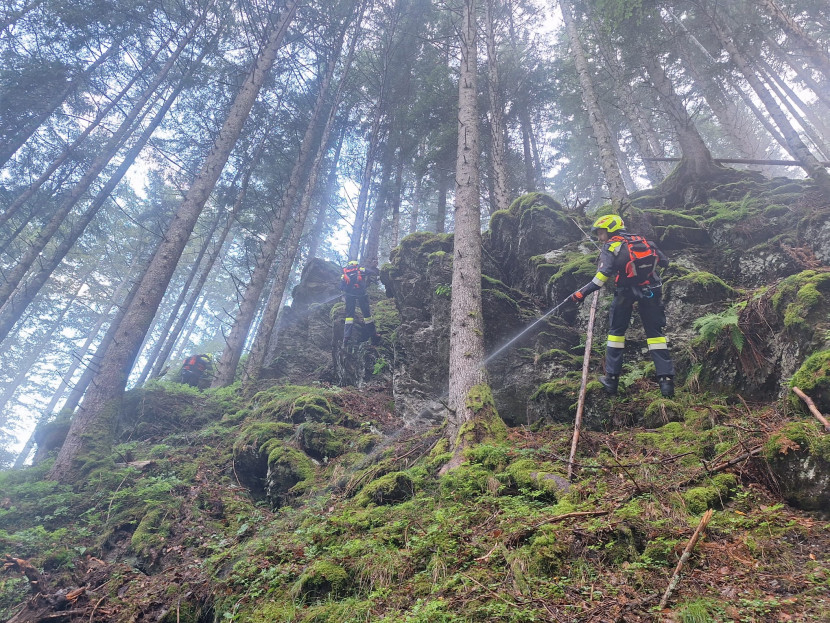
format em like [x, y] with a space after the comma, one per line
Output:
[351, 302]
[654, 319]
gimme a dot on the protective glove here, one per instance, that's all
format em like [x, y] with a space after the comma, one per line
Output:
[577, 297]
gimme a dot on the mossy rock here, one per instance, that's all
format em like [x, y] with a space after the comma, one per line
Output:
[549, 551]
[322, 579]
[290, 472]
[392, 488]
[323, 442]
[799, 456]
[713, 495]
[541, 477]
[311, 408]
[151, 533]
[813, 378]
[661, 412]
[803, 299]
[700, 288]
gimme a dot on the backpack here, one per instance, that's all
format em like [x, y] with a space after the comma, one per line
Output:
[353, 278]
[642, 260]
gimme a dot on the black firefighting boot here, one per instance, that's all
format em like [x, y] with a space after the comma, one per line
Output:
[666, 386]
[610, 382]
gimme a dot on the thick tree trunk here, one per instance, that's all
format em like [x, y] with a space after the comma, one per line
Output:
[799, 38]
[467, 376]
[8, 149]
[501, 194]
[602, 135]
[25, 293]
[797, 148]
[697, 160]
[251, 298]
[90, 430]
[108, 152]
[263, 339]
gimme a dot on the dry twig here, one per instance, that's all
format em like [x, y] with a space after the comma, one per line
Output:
[813, 409]
[686, 554]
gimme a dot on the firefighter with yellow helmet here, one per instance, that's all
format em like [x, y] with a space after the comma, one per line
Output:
[632, 261]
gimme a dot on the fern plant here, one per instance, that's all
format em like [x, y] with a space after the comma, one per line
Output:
[712, 326]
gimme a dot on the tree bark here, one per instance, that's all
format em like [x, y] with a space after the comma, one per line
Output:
[251, 298]
[467, 375]
[501, 194]
[800, 39]
[262, 341]
[602, 135]
[797, 148]
[137, 112]
[90, 430]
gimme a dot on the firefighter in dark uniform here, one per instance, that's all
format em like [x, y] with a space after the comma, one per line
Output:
[195, 370]
[632, 261]
[354, 283]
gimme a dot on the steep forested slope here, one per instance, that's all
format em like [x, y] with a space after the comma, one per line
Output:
[319, 496]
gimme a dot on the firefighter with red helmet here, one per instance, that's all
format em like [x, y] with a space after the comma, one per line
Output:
[632, 261]
[354, 283]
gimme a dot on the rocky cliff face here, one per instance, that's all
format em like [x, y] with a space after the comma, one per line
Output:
[745, 302]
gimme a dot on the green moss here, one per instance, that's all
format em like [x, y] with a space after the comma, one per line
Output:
[290, 470]
[555, 389]
[152, 531]
[801, 293]
[798, 436]
[662, 411]
[255, 434]
[388, 489]
[533, 200]
[713, 495]
[541, 477]
[813, 377]
[707, 281]
[549, 551]
[321, 579]
[579, 266]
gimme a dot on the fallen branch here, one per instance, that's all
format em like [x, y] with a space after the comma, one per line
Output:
[675, 580]
[813, 409]
[585, 366]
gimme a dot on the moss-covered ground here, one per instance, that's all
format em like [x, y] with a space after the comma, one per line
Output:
[375, 534]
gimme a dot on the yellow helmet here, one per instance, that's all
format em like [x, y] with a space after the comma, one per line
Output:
[353, 263]
[609, 222]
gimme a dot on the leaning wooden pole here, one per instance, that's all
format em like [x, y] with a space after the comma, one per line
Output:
[813, 409]
[580, 406]
[675, 580]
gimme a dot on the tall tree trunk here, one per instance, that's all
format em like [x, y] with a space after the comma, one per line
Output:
[602, 134]
[251, 298]
[797, 148]
[822, 91]
[79, 354]
[328, 196]
[91, 427]
[532, 168]
[469, 394]
[25, 293]
[262, 341]
[8, 149]
[813, 126]
[501, 194]
[34, 352]
[174, 334]
[73, 146]
[444, 179]
[799, 38]
[137, 112]
[696, 158]
[153, 355]
[366, 182]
